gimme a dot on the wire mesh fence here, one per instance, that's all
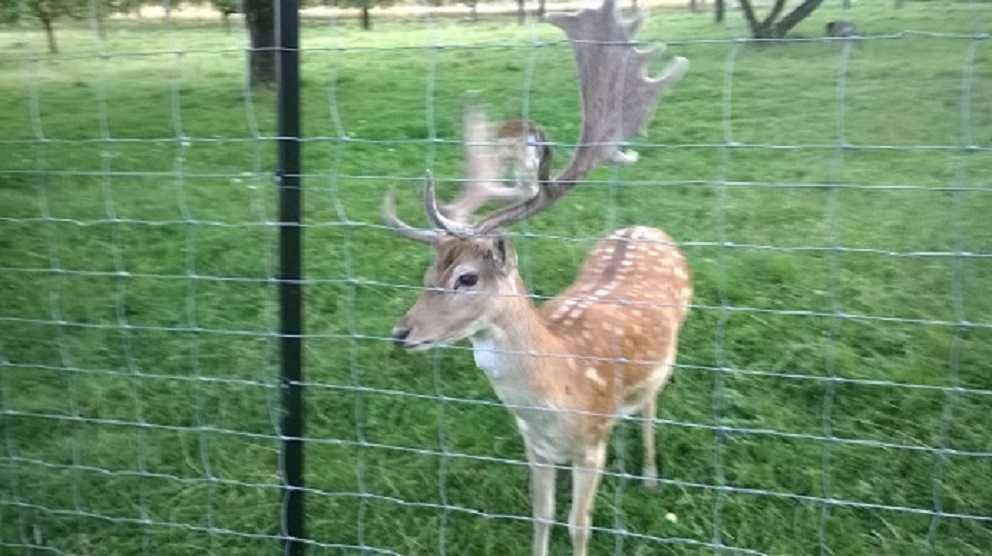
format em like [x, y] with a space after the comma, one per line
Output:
[832, 391]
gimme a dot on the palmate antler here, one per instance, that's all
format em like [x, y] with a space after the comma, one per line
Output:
[484, 166]
[618, 100]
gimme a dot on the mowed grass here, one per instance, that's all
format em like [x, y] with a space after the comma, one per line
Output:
[136, 316]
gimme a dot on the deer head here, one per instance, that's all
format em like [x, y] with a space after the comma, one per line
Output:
[474, 272]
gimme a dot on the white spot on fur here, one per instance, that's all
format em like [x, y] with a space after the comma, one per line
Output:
[592, 373]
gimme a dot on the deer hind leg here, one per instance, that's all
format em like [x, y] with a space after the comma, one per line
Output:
[649, 413]
[650, 469]
[586, 472]
[542, 495]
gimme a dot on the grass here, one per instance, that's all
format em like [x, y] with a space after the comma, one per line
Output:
[179, 215]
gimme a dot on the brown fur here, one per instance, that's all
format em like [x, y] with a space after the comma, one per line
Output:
[522, 129]
[569, 368]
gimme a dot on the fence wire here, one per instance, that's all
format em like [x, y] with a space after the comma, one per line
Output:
[139, 382]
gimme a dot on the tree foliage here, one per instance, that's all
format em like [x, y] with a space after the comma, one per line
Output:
[45, 12]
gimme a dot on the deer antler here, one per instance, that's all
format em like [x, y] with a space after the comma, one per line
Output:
[618, 100]
[483, 167]
[401, 227]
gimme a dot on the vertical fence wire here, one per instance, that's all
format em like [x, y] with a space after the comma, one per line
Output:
[836, 176]
[350, 290]
[719, 336]
[430, 156]
[952, 396]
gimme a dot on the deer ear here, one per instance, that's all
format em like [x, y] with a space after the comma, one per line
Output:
[503, 255]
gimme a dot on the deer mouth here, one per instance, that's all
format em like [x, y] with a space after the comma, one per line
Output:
[419, 346]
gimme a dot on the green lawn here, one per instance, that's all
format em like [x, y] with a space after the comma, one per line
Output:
[137, 409]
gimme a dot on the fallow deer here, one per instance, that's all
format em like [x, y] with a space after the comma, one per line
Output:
[603, 348]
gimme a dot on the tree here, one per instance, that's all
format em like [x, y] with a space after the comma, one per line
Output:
[719, 11]
[98, 10]
[46, 12]
[772, 27]
[473, 5]
[226, 8]
[521, 13]
[261, 23]
[365, 6]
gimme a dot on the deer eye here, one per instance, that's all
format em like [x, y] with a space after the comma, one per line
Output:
[467, 280]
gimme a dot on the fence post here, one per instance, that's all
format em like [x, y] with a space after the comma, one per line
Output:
[290, 275]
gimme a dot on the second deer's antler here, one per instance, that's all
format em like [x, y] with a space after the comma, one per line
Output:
[618, 99]
[483, 167]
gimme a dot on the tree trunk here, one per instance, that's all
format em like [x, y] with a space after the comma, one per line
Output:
[773, 15]
[768, 28]
[226, 18]
[520, 12]
[541, 8]
[46, 22]
[757, 31]
[693, 6]
[800, 13]
[475, 11]
[260, 19]
[99, 20]
[366, 20]
[168, 11]
[718, 11]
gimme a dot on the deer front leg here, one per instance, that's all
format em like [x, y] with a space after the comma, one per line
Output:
[586, 472]
[542, 496]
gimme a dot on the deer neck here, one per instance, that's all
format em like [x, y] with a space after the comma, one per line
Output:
[502, 347]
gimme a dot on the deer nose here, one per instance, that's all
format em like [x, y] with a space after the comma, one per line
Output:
[399, 336]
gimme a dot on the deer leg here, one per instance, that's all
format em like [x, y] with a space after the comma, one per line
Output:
[649, 412]
[542, 496]
[586, 472]
[650, 469]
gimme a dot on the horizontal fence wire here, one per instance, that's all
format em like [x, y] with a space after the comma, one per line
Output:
[104, 373]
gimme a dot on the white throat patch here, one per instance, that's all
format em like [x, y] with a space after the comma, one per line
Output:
[486, 355]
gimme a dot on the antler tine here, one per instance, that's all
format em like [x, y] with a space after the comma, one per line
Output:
[618, 100]
[400, 227]
[437, 218]
[482, 166]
